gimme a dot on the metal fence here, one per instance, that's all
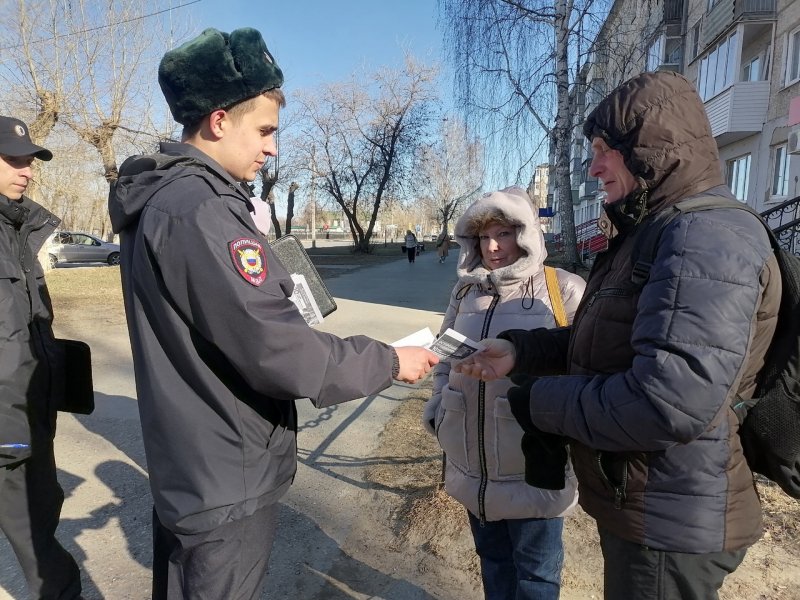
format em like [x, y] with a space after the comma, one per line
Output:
[784, 220]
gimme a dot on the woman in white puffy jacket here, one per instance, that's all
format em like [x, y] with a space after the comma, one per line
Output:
[516, 527]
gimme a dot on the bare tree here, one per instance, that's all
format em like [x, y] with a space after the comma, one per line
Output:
[277, 171]
[452, 171]
[517, 66]
[86, 66]
[364, 140]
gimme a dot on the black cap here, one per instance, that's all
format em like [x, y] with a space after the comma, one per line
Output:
[16, 141]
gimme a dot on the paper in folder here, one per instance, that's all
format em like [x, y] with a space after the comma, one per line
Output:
[295, 260]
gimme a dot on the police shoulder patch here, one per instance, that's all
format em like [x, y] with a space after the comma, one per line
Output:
[249, 260]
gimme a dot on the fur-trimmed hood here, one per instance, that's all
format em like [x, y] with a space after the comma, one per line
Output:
[516, 206]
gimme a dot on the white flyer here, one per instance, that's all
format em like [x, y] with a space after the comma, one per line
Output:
[423, 338]
[450, 346]
[304, 300]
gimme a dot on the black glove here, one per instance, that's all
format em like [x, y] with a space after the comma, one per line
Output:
[519, 399]
[545, 454]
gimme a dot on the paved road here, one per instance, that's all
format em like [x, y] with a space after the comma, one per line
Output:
[322, 551]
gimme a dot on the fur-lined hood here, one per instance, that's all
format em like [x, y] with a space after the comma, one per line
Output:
[516, 206]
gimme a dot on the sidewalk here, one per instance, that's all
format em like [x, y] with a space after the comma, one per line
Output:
[323, 550]
[326, 503]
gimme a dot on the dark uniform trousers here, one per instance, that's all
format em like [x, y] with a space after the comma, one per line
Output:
[226, 563]
[30, 505]
[636, 572]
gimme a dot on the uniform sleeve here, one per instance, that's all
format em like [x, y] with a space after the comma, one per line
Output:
[256, 327]
[691, 335]
[15, 364]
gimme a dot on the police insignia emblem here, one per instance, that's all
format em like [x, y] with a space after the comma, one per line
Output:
[249, 259]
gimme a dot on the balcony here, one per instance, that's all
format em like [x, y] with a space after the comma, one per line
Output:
[588, 188]
[739, 111]
[673, 11]
[727, 12]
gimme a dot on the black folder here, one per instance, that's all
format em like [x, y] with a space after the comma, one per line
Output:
[294, 258]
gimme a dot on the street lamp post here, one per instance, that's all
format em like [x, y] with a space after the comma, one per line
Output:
[313, 202]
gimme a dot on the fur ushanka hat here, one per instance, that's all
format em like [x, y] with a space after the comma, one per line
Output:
[215, 70]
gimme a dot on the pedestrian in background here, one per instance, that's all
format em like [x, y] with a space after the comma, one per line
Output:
[655, 369]
[32, 378]
[503, 284]
[411, 245]
[220, 351]
[443, 244]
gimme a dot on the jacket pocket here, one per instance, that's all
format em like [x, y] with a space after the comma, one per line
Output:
[509, 460]
[451, 428]
[613, 469]
[10, 269]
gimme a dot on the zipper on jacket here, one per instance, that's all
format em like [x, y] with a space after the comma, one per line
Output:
[601, 293]
[606, 293]
[37, 337]
[482, 420]
[619, 490]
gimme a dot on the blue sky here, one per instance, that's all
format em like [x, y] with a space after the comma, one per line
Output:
[320, 41]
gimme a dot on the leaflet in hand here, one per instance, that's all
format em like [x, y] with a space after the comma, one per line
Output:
[450, 346]
[304, 300]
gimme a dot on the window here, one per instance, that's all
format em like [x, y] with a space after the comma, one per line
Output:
[780, 171]
[696, 40]
[752, 70]
[718, 68]
[655, 53]
[738, 176]
[793, 57]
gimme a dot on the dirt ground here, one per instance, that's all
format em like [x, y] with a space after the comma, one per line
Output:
[430, 523]
[428, 528]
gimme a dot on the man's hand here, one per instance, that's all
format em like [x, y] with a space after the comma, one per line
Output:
[414, 363]
[496, 360]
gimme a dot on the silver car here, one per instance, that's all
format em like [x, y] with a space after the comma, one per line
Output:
[70, 246]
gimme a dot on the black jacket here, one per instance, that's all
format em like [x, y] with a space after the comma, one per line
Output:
[220, 352]
[31, 369]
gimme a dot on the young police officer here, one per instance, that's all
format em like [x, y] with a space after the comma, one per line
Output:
[30, 380]
[219, 350]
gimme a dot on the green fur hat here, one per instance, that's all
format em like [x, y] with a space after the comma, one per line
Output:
[215, 70]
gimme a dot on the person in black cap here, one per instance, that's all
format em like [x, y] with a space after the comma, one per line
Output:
[30, 380]
[220, 352]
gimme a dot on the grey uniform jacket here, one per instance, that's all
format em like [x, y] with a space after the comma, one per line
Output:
[31, 371]
[220, 352]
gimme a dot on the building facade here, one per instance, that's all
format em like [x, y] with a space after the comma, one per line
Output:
[744, 58]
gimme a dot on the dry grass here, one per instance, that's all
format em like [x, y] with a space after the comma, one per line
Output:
[781, 516]
[431, 525]
[426, 519]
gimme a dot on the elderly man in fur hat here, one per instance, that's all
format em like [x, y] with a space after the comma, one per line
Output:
[220, 351]
[654, 368]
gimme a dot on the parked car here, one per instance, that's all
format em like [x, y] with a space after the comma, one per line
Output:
[72, 246]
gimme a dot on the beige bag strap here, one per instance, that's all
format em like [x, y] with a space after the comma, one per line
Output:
[551, 278]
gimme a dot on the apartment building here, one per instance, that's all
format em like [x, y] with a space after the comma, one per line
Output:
[744, 58]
